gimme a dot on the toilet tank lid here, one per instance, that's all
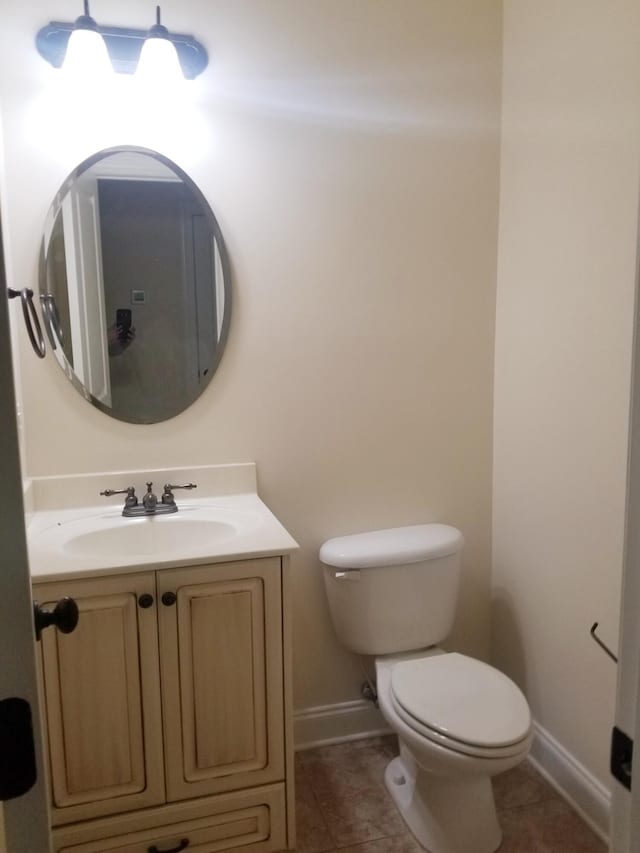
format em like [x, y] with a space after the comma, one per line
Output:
[396, 546]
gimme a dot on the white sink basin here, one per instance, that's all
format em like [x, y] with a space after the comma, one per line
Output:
[197, 530]
[72, 534]
[143, 536]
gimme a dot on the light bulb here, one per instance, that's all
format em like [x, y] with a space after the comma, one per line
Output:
[86, 55]
[159, 68]
[159, 63]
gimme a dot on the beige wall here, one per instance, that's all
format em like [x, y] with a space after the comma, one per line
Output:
[350, 152]
[567, 254]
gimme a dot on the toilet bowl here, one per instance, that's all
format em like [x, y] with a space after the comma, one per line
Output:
[459, 721]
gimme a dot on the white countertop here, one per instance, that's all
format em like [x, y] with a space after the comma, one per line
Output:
[68, 538]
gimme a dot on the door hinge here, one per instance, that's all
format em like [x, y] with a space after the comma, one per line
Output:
[621, 757]
[17, 749]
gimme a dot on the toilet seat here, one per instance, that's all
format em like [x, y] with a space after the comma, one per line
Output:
[461, 704]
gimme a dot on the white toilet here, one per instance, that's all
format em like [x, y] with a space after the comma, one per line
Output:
[392, 594]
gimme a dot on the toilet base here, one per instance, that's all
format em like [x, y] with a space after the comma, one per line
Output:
[444, 815]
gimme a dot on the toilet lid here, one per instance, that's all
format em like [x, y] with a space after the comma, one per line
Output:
[462, 699]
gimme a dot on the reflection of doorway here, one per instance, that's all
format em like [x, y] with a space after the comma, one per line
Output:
[157, 262]
[76, 288]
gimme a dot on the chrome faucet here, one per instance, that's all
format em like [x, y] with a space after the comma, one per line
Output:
[149, 504]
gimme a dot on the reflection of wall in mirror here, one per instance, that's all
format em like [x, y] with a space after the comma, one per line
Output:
[153, 240]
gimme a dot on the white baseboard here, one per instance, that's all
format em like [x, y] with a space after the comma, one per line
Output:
[327, 724]
[589, 797]
[345, 721]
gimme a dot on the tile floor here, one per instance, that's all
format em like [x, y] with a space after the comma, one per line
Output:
[342, 804]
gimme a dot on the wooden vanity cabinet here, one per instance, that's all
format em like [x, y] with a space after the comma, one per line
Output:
[168, 712]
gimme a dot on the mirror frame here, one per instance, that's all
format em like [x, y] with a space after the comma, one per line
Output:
[52, 214]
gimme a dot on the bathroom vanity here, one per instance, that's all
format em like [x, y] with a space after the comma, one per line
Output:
[168, 709]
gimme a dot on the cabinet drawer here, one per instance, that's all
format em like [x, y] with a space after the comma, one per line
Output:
[244, 820]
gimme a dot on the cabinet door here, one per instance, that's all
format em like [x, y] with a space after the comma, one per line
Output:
[101, 692]
[222, 677]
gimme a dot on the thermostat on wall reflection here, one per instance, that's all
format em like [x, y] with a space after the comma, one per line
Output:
[138, 297]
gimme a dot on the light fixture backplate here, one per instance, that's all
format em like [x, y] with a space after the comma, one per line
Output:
[124, 46]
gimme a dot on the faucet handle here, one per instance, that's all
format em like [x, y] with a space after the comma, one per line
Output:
[130, 492]
[167, 495]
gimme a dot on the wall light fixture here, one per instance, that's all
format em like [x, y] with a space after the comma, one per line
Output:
[124, 45]
[158, 58]
[86, 51]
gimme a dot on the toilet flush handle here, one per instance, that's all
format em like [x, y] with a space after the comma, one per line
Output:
[349, 575]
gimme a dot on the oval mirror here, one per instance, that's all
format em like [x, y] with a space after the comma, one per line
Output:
[135, 286]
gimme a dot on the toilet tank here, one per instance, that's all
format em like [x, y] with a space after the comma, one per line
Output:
[393, 590]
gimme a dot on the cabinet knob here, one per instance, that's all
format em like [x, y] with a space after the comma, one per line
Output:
[182, 846]
[145, 600]
[64, 616]
[169, 598]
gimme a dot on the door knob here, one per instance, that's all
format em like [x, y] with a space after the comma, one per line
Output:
[64, 616]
